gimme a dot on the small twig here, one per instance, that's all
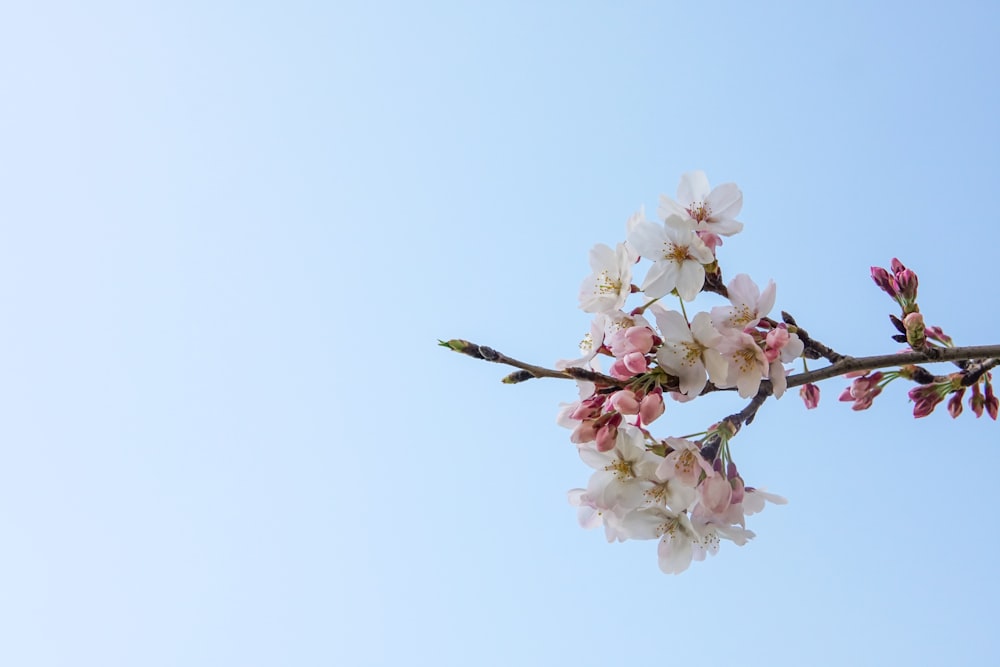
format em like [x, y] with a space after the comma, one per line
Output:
[489, 354]
[974, 371]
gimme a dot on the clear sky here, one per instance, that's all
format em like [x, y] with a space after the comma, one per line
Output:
[232, 233]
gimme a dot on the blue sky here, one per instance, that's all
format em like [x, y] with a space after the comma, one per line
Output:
[232, 234]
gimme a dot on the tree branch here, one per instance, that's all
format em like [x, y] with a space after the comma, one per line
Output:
[986, 356]
[850, 364]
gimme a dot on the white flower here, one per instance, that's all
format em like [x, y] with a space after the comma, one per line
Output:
[623, 473]
[684, 464]
[687, 352]
[714, 210]
[678, 257]
[607, 288]
[747, 363]
[749, 304]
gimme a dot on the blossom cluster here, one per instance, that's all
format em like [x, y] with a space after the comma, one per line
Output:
[685, 491]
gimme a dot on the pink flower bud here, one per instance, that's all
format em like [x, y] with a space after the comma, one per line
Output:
[992, 404]
[866, 384]
[955, 403]
[810, 395]
[618, 370]
[639, 339]
[883, 280]
[863, 390]
[607, 435]
[584, 433]
[589, 408]
[976, 401]
[776, 339]
[635, 362]
[926, 397]
[651, 407]
[625, 402]
[906, 284]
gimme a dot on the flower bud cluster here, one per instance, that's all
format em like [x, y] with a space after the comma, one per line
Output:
[926, 397]
[866, 387]
[901, 285]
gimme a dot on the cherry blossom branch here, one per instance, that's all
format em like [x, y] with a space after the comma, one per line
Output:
[986, 356]
[687, 491]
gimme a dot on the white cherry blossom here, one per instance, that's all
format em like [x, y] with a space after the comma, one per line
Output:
[714, 210]
[623, 473]
[608, 287]
[749, 304]
[678, 257]
[746, 361]
[688, 352]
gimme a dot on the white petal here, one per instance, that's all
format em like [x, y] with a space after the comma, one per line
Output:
[671, 324]
[635, 219]
[748, 383]
[722, 227]
[690, 280]
[669, 207]
[779, 382]
[767, 297]
[793, 348]
[595, 459]
[674, 554]
[703, 331]
[700, 251]
[725, 200]
[718, 369]
[602, 258]
[647, 238]
[693, 188]
[644, 524]
[692, 379]
[743, 291]
[684, 223]
[661, 278]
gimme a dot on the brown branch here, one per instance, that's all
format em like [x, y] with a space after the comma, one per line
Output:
[985, 356]
[851, 364]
